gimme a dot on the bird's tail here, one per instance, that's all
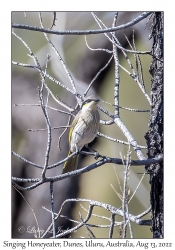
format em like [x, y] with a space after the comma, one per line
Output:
[70, 164]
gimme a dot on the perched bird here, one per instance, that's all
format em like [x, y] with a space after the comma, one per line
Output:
[83, 130]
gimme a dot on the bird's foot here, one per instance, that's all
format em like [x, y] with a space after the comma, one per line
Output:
[96, 154]
[77, 150]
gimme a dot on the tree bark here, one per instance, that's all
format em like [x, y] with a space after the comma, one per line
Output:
[154, 136]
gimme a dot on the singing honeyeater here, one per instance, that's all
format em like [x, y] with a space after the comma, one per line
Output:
[83, 130]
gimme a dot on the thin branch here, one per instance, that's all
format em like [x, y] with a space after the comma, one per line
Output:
[125, 194]
[84, 170]
[94, 225]
[137, 187]
[117, 43]
[59, 56]
[117, 75]
[95, 215]
[106, 112]
[38, 230]
[129, 109]
[138, 62]
[52, 208]
[49, 167]
[99, 72]
[93, 203]
[45, 129]
[118, 141]
[99, 49]
[144, 213]
[50, 78]
[130, 138]
[25, 160]
[135, 110]
[49, 138]
[88, 229]
[115, 170]
[112, 225]
[54, 19]
[107, 207]
[104, 122]
[67, 126]
[83, 32]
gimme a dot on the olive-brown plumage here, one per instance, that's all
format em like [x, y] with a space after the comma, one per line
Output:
[83, 130]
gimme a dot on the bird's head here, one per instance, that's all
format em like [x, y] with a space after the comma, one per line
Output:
[90, 102]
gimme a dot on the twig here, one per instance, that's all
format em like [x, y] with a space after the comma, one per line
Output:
[137, 187]
[54, 19]
[94, 225]
[38, 230]
[83, 32]
[105, 111]
[41, 72]
[117, 43]
[144, 213]
[99, 49]
[45, 129]
[125, 193]
[48, 76]
[117, 75]
[87, 227]
[49, 138]
[99, 72]
[119, 195]
[25, 160]
[52, 208]
[59, 56]
[138, 62]
[130, 138]
[129, 109]
[95, 215]
[118, 141]
[93, 203]
[117, 178]
[67, 126]
[104, 122]
[112, 225]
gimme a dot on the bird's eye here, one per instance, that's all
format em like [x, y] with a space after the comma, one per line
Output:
[87, 101]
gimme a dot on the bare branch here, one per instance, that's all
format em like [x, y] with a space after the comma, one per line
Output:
[59, 56]
[82, 32]
[117, 75]
[54, 19]
[38, 228]
[99, 72]
[116, 140]
[52, 208]
[49, 138]
[84, 170]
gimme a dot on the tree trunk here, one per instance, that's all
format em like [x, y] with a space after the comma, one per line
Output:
[154, 136]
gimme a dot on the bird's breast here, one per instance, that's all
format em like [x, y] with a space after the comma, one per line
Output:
[85, 130]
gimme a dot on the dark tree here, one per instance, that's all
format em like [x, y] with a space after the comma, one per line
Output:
[154, 136]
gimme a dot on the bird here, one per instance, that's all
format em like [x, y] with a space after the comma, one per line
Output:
[83, 130]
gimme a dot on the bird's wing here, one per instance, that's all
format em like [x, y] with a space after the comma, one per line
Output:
[73, 125]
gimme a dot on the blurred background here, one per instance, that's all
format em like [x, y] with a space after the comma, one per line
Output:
[83, 65]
